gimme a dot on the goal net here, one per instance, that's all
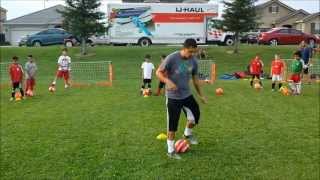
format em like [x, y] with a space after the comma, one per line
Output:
[92, 73]
[207, 71]
[4, 74]
[314, 68]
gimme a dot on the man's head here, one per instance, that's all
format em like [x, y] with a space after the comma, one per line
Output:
[15, 59]
[276, 56]
[189, 48]
[64, 51]
[297, 55]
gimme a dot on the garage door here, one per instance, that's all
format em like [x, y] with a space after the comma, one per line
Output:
[16, 35]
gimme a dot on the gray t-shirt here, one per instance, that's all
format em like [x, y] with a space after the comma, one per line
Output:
[179, 71]
[31, 69]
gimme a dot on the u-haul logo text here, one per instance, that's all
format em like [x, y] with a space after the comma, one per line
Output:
[181, 9]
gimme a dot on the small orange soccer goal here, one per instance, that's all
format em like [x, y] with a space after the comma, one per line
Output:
[98, 73]
[207, 71]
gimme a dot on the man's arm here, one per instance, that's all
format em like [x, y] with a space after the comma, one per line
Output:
[196, 85]
[163, 78]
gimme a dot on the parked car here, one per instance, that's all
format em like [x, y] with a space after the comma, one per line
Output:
[278, 36]
[23, 41]
[48, 37]
[250, 37]
[102, 39]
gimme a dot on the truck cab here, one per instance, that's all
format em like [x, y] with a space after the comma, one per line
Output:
[216, 35]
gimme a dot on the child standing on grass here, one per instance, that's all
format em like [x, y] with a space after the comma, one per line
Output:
[276, 71]
[256, 68]
[296, 70]
[161, 84]
[16, 75]
[147, 71]
[64, 68]
[31, 69]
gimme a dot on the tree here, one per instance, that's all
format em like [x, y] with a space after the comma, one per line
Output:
[239, 16]
[82, 18]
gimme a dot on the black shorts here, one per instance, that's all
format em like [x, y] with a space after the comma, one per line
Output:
[190, 108]
[161, 85]
[146, 81]
[306, 71]
[256, 75]
[16, 85]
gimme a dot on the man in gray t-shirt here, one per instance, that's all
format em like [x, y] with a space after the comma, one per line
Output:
[31, 69]
[176, 72]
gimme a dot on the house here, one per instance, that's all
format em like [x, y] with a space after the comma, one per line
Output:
[310, 24]
[3, 18]
[32, 23]
[274, 13]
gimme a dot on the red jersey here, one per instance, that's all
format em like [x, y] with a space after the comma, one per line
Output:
[256, 66]
[276, 67]
[16, 72]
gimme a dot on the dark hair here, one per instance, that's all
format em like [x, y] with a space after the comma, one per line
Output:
[163, 56]
[297, 53]
[30, 56]
[147, 56]
[65, 49]
[190, 43]
[15, 58]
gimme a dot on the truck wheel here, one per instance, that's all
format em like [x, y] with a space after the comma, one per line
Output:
[144, 42]
[229, 41]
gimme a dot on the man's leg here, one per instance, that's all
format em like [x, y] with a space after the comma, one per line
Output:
[173, 114]
[192, 112]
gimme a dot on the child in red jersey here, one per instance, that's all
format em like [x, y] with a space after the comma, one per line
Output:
[256, 66]
[16, 75]
[277, 66]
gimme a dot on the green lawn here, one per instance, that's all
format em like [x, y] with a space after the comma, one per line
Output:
[110, 133]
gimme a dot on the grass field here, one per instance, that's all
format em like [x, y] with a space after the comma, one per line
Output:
[109, 133]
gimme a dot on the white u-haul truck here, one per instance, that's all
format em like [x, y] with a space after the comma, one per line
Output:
[164, 23]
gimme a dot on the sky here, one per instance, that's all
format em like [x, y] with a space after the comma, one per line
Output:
[17, 8]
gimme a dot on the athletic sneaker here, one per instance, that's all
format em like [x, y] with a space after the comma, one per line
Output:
[11, 99]
[192, 139]
[273, 90]
[173, 155]
[66, 86]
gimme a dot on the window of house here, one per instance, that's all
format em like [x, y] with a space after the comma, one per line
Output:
[315, 28]
[273, 9]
